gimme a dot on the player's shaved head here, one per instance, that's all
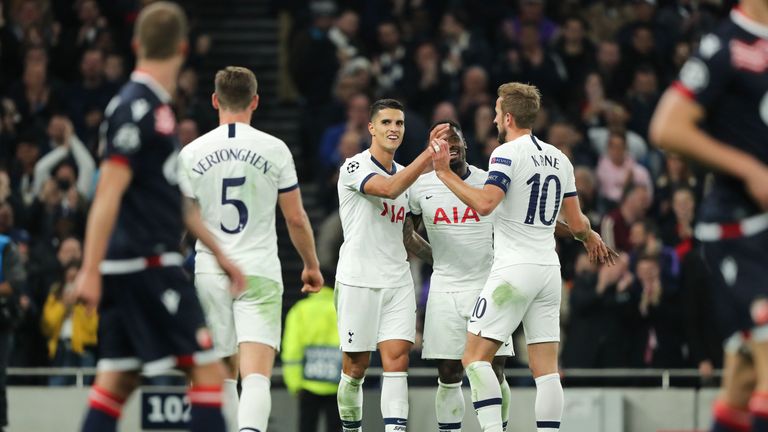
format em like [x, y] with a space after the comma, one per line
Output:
[235, 88]
[383, 104]
[159, 30]
[522, 101]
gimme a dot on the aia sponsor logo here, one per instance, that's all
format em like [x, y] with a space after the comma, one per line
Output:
[165, 121]
[393, 212]
[455, 216]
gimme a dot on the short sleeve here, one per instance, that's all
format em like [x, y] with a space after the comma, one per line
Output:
[706, 74]
[570, 180]
[287, 181]
[123, 136]
[413, 201]
[353, 174]
[185, 181]
[499, 169]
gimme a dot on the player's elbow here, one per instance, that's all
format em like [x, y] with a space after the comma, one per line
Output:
[296, 220]
[484, 209]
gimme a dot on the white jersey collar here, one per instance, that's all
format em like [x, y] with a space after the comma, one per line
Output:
[750, 25]
[147, 79]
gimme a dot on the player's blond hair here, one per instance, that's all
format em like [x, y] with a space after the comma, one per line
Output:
[159, 29]
[522, 101]
[235, 88]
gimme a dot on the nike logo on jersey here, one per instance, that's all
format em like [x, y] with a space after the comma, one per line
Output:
[506, 343]
[472, 320]
[428, 197]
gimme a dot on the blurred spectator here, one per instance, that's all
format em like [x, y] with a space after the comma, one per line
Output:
[311, 359]
[617, 169]
[660, 304]
[616, 119]
[594, 101]
[474, 93]
[460, 47]
[389, 65]
[564, 135]
[9, 117]
[677, 174]
[532, 12]
[444, 111]
[114, 69]
[642, 51]
[586, 184]
[615, 227]
[678, 231]
[36, 96]
[59, 211]
[605, 17]
[577, 53]
[343, 34]
[608, 62]
[313, 59]
[23, 168]
[603, 318]
[12, 280]
[65, 144]
[69, 327]
[532, 63]
[188, 131]
[426, 84]
[189, 104]
[89, 97]
[91, 23]
[356, 121]
[643, 97]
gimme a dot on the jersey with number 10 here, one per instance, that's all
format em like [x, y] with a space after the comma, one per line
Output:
[236, 173]
[536, 177]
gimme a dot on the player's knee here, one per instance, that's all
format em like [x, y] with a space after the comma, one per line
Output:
[355, 364]
[450, 371]
[395, 361]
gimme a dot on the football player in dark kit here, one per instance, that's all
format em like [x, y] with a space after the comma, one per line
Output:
[150, 317]
[717, 113]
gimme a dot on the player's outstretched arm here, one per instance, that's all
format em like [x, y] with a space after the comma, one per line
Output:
[394, 186]
[579, 225]
[674, 127]
[414, 243]
[484, 200]
[196, 226]
[300, 231]
[114, 179]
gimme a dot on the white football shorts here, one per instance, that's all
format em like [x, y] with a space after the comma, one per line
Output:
[445, 325]
[367, 316]
[253, 317]
[527, 293]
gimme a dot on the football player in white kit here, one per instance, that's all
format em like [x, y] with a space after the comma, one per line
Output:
[375, 297]
[462, 253]
[238, 174]
[528, 181]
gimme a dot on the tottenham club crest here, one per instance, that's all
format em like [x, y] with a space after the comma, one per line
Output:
[353, 166]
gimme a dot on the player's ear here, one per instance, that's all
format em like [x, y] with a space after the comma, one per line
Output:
[254, 103]
[184, 47]
[371, 130]
[215, 101]
[135, 46]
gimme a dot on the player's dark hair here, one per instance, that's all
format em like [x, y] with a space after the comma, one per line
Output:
[453, 124]
[382, 104]
[159, 30]
[235, 88]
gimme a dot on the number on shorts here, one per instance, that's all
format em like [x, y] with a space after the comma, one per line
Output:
[480, 306]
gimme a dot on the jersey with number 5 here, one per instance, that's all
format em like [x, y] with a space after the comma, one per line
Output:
[236, 172]
[536, 177]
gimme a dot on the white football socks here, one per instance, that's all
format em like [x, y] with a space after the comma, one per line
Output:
[255, 403]
[350, 401]
[549, 403]
[449, 406]
[394, 401]
[486, 395]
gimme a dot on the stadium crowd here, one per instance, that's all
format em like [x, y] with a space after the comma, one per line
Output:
[600, 65]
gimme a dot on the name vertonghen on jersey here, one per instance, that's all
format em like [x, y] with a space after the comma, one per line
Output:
[231, 154]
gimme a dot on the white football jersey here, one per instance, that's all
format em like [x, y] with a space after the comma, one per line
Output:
[373, 254]
[536, 177]
[236, 172]
[461, 239]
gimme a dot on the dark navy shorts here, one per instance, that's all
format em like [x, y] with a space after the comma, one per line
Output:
[739, 268]
[151, 320]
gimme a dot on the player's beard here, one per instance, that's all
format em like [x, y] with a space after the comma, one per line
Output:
[502, 135]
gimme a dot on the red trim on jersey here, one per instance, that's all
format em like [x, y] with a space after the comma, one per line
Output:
[682, 89]
[153, 261]
[185, 360]
[731, 230]
[758, 404]
[122, 160]
[209, 396]
[735, 418]
[104, 401]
